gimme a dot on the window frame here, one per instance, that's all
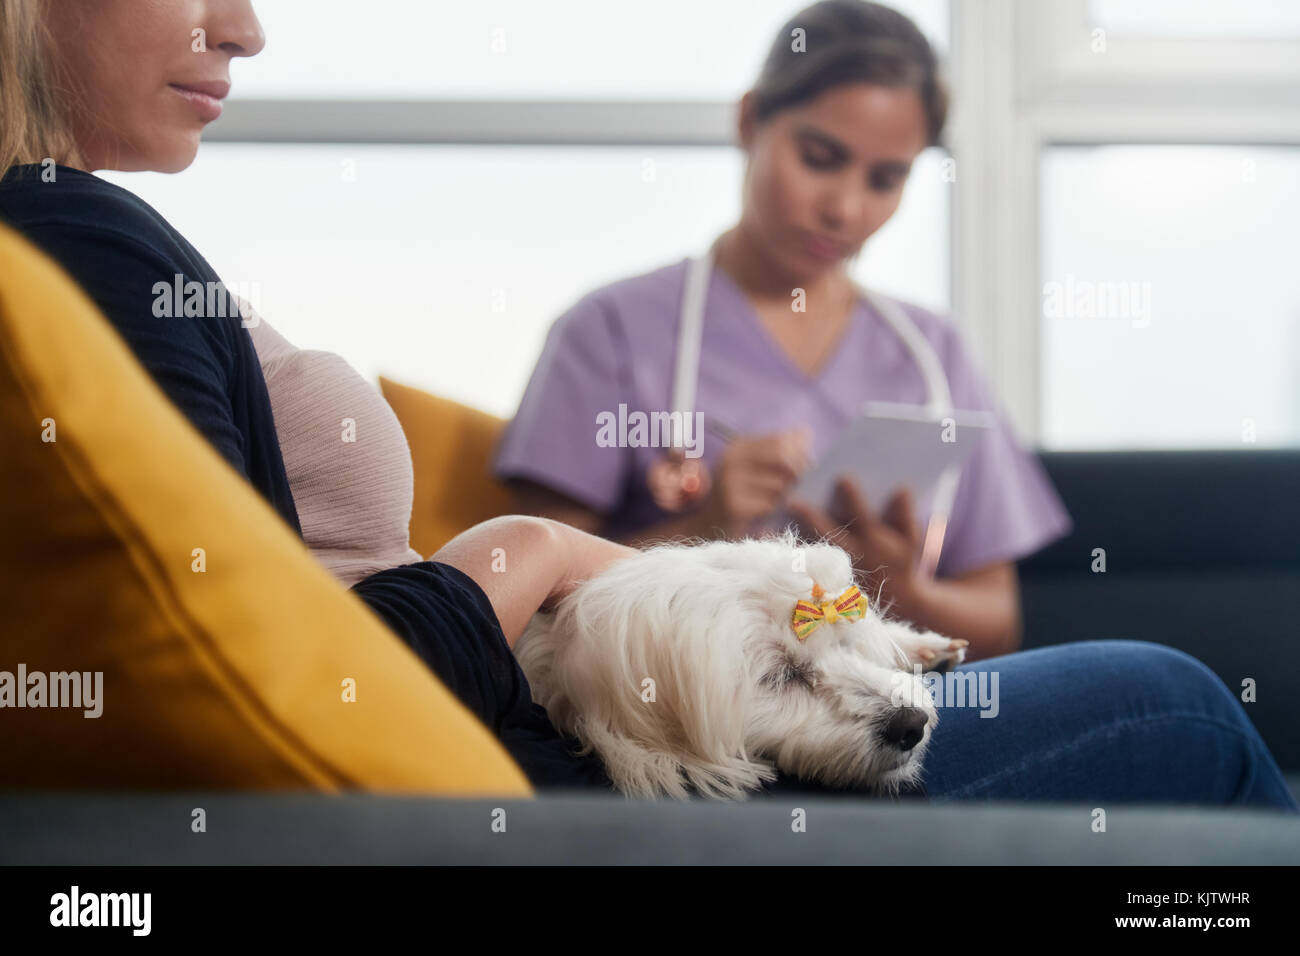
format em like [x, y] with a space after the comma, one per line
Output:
[1024, 78]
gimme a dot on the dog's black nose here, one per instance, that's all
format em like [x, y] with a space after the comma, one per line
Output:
[905, 728]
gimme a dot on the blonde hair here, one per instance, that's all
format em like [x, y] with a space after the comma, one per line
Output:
[33, 107]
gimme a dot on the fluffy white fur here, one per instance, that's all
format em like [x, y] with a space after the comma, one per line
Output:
[736, 694]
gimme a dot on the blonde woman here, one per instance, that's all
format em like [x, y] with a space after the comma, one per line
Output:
[351, 510]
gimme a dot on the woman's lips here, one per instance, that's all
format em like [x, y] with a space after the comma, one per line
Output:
[204, 97]
[821, 248]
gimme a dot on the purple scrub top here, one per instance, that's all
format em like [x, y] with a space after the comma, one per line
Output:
[617, 345]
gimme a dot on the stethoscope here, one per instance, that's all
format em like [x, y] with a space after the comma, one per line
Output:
[675, 480]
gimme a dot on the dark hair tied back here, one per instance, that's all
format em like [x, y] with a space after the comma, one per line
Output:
[850, 41]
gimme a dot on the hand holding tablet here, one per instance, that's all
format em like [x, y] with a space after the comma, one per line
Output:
[902, 460]
[889, 447]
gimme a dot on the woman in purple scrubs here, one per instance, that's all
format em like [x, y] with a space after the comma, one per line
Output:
[830, 132]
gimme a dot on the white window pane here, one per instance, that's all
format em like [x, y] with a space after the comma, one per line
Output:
[1211, 19]
[444, 266]
[1171, 296]
[523, 49]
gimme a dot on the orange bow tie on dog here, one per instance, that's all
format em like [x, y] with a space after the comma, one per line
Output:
[808, 617]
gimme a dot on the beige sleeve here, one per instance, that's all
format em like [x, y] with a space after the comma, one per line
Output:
[271, 346]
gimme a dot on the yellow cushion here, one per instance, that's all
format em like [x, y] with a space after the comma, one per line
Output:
[451, 451]
[233, 677]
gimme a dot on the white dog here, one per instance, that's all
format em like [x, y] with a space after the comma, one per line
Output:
[711, 666]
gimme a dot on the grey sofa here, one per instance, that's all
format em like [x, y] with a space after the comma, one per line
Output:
[1203, 554]
[66, 829]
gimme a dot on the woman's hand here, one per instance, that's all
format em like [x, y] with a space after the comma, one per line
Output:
[890, 543]
[753, 477]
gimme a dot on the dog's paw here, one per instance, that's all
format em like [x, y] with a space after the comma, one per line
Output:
[932, 651]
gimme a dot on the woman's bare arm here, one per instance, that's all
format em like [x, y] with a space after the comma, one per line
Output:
[524, 563]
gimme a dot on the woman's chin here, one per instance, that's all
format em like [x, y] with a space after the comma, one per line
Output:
[178, 155]
[172, 155]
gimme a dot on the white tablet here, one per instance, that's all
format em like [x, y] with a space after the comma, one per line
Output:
[891, 446]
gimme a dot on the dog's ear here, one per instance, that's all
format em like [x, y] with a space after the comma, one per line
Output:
[689, 734]
[650, 670]
[640, 770]
[709, 699]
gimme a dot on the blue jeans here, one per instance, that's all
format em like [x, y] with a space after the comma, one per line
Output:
[1097, 722]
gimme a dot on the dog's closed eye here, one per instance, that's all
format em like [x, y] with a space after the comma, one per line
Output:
[790, 675]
